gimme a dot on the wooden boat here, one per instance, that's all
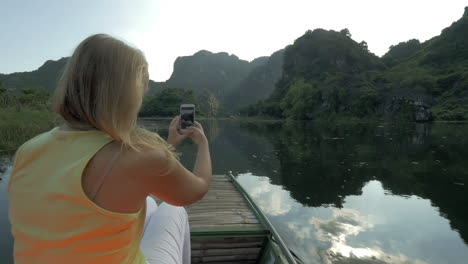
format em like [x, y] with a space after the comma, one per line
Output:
[228, 227]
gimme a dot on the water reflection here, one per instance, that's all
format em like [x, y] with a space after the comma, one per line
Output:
[361, 231]
[322, 164]
[6, 245]
[419, 168]
[346, 193]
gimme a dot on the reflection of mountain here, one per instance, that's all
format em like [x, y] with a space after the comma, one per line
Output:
[311, 165]
[233, 149]
[322, 164]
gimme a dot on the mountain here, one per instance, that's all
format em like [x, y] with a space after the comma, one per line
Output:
[434, 73]
[154, 87]
[323, 72]
[218, 73]
[327, 73]
[223, 79]
[217, 76]
[45, 77]
[259, 83]
[401, 51]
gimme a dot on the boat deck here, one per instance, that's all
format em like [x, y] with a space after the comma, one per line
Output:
[223, 227]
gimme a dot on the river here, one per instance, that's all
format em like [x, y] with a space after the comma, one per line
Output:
[340, 193]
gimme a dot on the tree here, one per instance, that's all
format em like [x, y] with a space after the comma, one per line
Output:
[345, 32]
[208, 103]
[301, 100]
[167, 102]
[364, 46]
[2, 89]
[213, 105]
[33, 96]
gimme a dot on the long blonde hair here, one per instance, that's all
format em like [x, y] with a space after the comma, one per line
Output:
[102, 87]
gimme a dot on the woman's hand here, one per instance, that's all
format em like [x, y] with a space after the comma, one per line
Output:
[196, 133]
[175, 137]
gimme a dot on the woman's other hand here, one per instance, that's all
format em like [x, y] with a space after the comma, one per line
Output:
[175, 137]
[196, 133]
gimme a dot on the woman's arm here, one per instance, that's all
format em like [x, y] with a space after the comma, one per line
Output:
[202, 166]
[165, 177]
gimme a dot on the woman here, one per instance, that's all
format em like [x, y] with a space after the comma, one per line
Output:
[80, 192]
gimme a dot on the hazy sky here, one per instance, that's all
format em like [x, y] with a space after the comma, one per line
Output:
[33, 31]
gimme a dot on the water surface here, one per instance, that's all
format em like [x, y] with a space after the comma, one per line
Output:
[342, 193]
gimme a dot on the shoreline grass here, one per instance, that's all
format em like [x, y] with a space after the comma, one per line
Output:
[19, 124]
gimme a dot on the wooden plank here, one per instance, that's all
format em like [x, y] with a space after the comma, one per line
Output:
[225, 252]
[223, 227]
[251, 232]
[224, 240]
[223, 207]
[211, 245]
[209, 219]
[224, 222]
[230, 262]
[229, 258]
[215, 226]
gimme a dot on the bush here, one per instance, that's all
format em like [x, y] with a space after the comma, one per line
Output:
[166, 102]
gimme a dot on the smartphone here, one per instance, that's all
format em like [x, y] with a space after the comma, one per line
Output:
[187, 116]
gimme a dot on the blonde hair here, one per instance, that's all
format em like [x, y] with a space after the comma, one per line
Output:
[102, 87]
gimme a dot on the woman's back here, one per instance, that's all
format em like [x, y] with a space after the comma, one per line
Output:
[81, 196]
[53, 218]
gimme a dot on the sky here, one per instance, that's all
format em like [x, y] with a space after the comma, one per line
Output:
[34, 31]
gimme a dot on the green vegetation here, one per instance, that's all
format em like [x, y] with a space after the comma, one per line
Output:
[323, 75]
[326, 75]
[23, 116]
[167, 101]
[320, 163]
[258, 84]
[218, 73]
[21, 124]
[45, 77]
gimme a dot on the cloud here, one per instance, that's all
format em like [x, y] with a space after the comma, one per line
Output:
[272, 199]
[334, 232]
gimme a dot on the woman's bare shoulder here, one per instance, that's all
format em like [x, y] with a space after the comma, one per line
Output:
[155, 158]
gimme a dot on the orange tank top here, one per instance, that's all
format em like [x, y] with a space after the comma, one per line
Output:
[52, 219]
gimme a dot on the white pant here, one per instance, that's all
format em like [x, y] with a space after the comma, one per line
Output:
[166, 235]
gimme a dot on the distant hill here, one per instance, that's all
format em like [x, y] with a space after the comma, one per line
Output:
[323, 74]
[45, 77]
[216, 74]
[435, 71]
[259, 83]
[219, 73]
[327, 73]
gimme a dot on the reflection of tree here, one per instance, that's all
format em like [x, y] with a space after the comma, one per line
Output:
[5, 160]
[438, 171]
[310, 163]
[321, 164]
[212, 130]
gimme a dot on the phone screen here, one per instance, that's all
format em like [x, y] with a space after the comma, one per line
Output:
[187, 116]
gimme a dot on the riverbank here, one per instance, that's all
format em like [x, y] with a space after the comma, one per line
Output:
[18, 124]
